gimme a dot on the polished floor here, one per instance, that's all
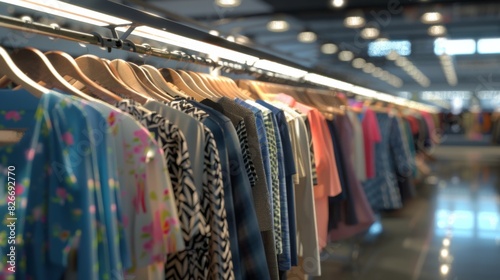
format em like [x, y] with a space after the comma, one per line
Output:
[450, 230]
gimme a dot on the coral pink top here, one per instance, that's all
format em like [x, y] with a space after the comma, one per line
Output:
[326, 167]
[371, 136]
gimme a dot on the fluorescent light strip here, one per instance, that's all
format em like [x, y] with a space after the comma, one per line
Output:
[329, 82]
[487, 46]
[454, 47]
[62, 9]
[280, 68]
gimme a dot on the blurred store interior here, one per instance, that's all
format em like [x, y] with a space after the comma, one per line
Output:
[434, 65]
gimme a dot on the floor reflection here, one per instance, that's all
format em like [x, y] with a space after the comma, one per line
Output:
[466, 217]
[451, 231]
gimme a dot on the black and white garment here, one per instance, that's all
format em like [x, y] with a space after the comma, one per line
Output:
[191, 263]
[241, 130]
[221, 264]
[273, 156]
[311, 151]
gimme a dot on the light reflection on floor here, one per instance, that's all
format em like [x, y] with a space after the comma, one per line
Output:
[450, 231]
[467, 216]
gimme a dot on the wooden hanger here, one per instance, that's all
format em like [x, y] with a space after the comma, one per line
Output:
[253, 89]
[123, 71]
[193, 85]
[332, 104]
[4, 81]
[221, 88]
[34, 63]
[148, 84]
[96, 70]
[231, 84]
[222, 84]
[66, 66]
[207, 82]
[379, 106]
[158, 79]
[203, 84]
[172, 76]
[16, 75]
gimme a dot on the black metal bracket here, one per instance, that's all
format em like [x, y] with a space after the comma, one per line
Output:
[116, 42]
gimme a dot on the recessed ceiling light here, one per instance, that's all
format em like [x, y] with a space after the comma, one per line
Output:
[444, 269]
[307, 37]
[354, 22]
[214, 32]
[242, 39]
[377, 72]
[369, 68]
[228, 3]
[346, 55]
[383, 39]
[278, 26]
[437, 30]
[358, 63]
[329, 48]
[370, 33]
[401, 61]
[432, 17]
[337, 3]
[385, 76]
[393, 55]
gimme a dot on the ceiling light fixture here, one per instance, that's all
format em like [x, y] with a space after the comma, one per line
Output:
[448, 69]
[240, 39]
[278, 26]
[444, 269]
[377, 73]
[279, 68]
[329, 48]
[354, 22]
[228, 3]
[346, 56]
[401, 61]
[358, 63]
[337, 3]
[214, 32]
[369, 68]
[436, 30]
[370, 33]
[432, 17]
[393, 55]
[307, 37]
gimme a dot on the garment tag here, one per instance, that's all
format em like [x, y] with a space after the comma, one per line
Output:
[10, 136]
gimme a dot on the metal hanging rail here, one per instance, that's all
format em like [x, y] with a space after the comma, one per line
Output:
[27, 25]
[139, 17]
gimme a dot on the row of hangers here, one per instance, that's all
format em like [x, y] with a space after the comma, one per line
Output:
[91, 77]
[326, 101]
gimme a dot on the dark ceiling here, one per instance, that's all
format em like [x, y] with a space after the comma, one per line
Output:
[397, 19]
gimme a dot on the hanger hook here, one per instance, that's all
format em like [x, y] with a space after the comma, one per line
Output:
[178, 56]
[149, 51]
[189, 58]
[84, 46]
